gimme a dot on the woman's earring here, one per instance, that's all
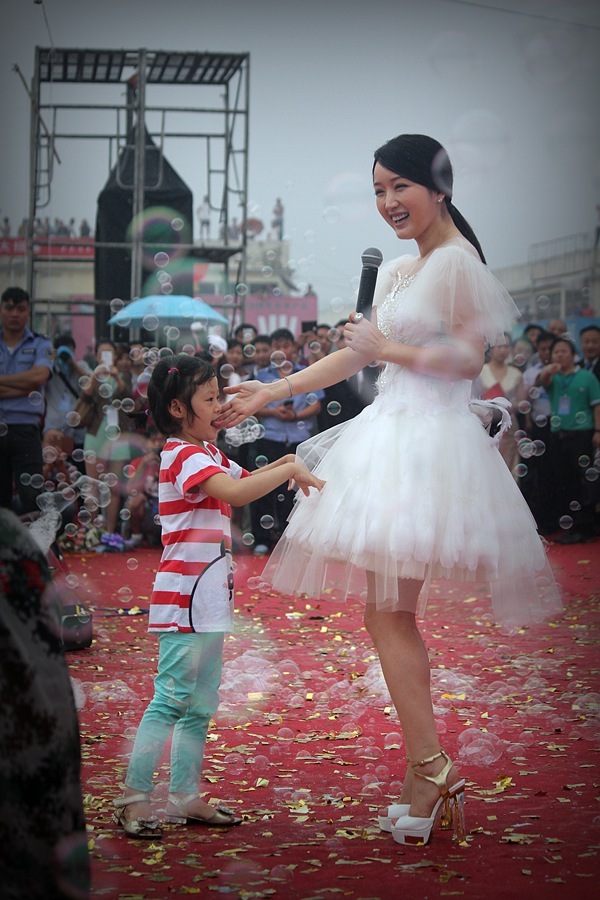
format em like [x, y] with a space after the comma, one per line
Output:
[440, 199]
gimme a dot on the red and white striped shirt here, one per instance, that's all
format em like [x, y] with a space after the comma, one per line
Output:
[193, 590]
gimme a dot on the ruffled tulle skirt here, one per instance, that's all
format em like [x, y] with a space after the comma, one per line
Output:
[418, 493]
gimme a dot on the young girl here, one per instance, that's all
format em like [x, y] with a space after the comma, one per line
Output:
[192, 602]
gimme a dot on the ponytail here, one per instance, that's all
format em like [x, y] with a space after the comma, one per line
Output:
[464, 228]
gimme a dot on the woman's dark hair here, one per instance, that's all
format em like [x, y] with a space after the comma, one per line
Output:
[563, 340]
[175, 378]
[423, 160]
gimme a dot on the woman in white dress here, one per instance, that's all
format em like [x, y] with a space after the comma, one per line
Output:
[415, 488]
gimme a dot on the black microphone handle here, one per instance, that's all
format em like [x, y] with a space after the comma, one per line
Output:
[366, 290]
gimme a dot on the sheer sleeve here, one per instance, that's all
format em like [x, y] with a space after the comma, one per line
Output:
[456, 291]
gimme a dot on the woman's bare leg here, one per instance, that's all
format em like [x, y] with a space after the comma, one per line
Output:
[405, 665]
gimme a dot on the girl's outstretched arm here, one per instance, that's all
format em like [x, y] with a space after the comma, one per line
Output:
[262, 481]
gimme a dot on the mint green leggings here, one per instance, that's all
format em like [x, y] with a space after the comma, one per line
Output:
[186, 695]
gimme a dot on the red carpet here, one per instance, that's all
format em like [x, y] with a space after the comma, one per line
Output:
[305, 746]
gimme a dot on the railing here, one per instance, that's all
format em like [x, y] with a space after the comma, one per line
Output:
[562, 256]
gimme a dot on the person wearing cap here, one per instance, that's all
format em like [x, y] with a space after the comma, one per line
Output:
[25, 367]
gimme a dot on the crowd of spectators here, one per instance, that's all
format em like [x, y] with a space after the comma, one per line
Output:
[68, 420]
[63, 418]
[47, 228]
[553, 445]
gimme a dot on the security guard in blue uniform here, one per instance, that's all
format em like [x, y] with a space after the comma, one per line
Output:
[25, 367]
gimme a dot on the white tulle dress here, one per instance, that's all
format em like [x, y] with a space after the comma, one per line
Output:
[415, 486]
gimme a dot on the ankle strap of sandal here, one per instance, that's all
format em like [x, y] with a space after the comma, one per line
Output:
[440, 780]
[182, 801]
[124, 801]
[430, 759]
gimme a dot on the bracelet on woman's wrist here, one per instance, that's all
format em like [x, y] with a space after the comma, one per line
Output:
[286, 378]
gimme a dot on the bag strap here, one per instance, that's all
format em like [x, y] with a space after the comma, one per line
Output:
[67, 383]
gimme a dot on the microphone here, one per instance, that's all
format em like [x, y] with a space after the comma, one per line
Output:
[371, 260]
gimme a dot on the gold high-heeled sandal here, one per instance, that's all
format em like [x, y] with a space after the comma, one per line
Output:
[417, 830]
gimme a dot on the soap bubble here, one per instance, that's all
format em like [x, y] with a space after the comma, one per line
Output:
[480, 143]
[331, 215]
[267, 522]
[334, 408]
[552, 54]
[278, 357]
[35, 398]
[348, 198]
[392, 740]
[150, 322]
[105, 390]
[73, 419]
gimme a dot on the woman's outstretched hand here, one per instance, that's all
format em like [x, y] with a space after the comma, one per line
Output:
[363, 337]
[248, 397]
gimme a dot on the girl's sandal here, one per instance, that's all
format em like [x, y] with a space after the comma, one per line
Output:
[177, 814]
[144, 827]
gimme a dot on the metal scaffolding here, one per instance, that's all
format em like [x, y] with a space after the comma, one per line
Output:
[126, 82]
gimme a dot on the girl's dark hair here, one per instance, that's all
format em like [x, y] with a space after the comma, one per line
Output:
[423, 160]
[175, 378]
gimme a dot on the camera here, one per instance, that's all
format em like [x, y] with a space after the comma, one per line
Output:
[64, 354]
